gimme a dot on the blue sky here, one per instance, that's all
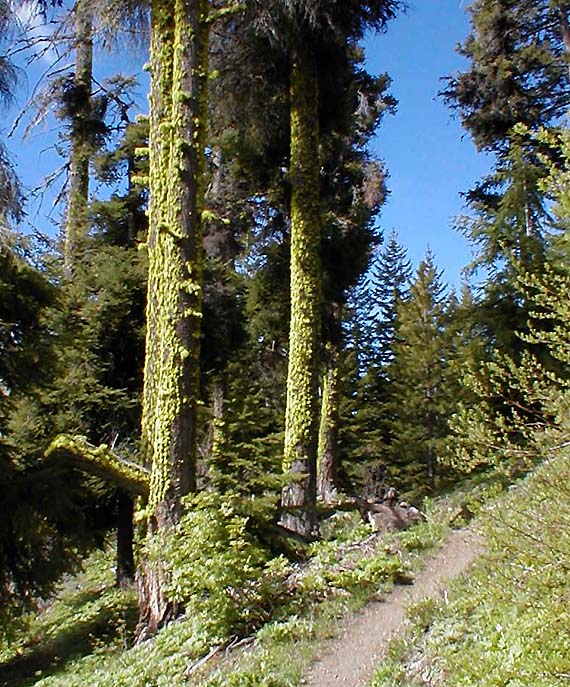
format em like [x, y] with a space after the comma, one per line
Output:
[430, 159]
[34, 155]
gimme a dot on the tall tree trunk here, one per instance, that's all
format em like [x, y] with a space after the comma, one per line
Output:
[218, 437]
[328, 431]
[125, 557]
[179, 55]
[77, 224]
[301, 420]
[431, 455]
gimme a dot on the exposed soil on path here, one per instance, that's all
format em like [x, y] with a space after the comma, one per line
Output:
[349, 660]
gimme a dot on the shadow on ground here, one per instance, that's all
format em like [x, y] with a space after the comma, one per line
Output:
[98, 621]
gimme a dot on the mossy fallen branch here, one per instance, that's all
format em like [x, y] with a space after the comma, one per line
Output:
[100, 461]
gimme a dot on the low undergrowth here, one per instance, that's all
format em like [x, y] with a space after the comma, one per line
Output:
[232, 589]
[285, 647]
[508, 622]
[90, 616]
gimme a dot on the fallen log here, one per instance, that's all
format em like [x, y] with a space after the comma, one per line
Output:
[384, 516]
[100, 461]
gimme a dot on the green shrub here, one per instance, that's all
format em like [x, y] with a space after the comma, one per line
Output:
[217, 570]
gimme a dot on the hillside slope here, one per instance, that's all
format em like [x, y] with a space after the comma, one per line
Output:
[349, 659]
[506, 623]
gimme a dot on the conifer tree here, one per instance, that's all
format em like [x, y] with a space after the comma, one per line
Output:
[422, 394]
[391, 275]
[179, 50]
[35, 546]
[509, 230]
[79, 108]
[300, 451]
[327, 455]
[349, 179]
[353, 191]
[41, 535]
[515, 414]
[517, 82]
[367, 419]
[311, 25]
[518, 73]
[356, 357]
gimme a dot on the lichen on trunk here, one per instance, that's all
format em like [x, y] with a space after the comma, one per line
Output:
[218, 428]
[301, 422]
[179, 44]
[100, 461]
[328, 431]
[179, 65]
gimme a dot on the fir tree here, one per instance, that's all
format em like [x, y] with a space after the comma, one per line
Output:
[519, 400]
[307, 34]
[518, 53]
[79, 107]
[509, 231]
[301, 424]
[366, 426]
[390, 279]
[422, 394]
[246, 460]
[35, 546]
[361, 433]
[179, 49]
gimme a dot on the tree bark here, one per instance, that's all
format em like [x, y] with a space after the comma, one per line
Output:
[328, 431]
[431, 455]
[301, 420]
[77, 224]
[218, 440]
[125, 556]
[179, 66]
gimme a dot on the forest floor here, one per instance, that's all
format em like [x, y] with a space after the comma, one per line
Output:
[351, 658]
[506, 621]
[317, 638]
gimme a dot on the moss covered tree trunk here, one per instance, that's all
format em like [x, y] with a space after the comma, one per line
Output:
[328, 430]
[179, 43]
[301, 421]
[80, 111]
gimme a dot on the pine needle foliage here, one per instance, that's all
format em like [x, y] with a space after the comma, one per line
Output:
[518, 72]
[246, 462]
[522, 399]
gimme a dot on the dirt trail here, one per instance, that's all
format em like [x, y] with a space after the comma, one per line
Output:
[350, 659]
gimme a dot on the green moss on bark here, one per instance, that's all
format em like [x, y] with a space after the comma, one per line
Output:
[179, 65]
[328, 430]
[161, 50]
[174, 305]
[301, 424]
[100, 461]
